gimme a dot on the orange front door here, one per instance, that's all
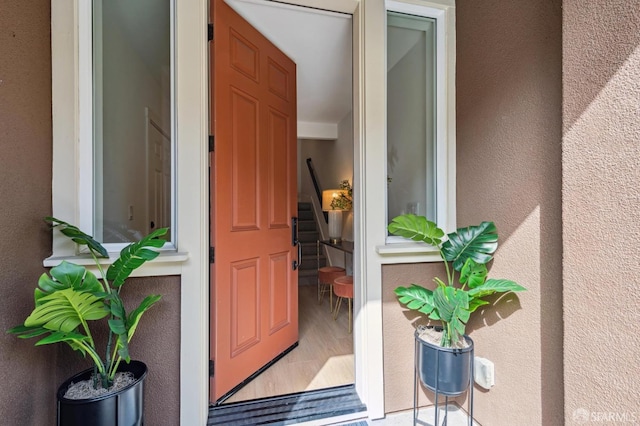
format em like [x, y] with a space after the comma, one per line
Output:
[254, 288]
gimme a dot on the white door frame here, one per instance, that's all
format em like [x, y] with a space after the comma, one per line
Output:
[369, 114]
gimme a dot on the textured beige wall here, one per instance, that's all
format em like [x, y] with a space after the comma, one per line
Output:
[509, 171]
[601, 199]
[29, 375]
[25, 197]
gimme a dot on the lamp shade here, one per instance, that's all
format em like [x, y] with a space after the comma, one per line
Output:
[328, 196]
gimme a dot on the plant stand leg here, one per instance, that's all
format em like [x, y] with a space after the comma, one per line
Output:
[437, 422]
[471, 380]
[415, 384]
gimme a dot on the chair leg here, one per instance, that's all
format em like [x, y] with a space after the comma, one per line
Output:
[338, 304]
[350, 314]
[331, 299]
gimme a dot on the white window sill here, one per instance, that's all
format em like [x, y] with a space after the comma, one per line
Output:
[409, 252]
[167, 263]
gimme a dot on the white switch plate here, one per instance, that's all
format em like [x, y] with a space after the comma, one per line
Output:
[484, 372]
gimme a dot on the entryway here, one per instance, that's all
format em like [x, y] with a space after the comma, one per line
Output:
[319, 348]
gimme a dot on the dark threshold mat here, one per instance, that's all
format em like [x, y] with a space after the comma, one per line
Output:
[289, 409]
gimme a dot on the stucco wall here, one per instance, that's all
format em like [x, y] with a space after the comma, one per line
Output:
[601, 199]
[508, 171]
[25, 194]
[29, 375]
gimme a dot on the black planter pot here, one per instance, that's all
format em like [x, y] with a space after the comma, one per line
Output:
[448, 367]
[122, 408]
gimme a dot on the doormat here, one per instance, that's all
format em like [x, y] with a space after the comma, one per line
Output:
[289, 409]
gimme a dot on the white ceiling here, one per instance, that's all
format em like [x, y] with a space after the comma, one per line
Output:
[319, 42]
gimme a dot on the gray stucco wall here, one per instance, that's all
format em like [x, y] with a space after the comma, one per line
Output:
[601, 200]
[29, 375]
[508, 171]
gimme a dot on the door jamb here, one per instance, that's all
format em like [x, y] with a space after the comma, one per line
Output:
[192, 51]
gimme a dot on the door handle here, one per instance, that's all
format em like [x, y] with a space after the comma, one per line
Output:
[294, 231]
[296, 263]
[295, 242]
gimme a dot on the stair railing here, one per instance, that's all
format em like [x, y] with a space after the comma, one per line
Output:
[316, 186]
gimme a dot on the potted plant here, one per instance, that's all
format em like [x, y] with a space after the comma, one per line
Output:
[465, 254]
[67, 301]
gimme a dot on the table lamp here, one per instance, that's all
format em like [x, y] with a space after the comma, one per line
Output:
[329, 198]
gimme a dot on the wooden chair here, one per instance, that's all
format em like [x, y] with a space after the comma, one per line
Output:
[343, 288]
[326, 276]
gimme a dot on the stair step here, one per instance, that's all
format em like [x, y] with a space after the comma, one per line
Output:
[309, 249]
[304, 206]
[312, 263]
[307, 225]
[308, 236]
[305, 215]
[307, 273]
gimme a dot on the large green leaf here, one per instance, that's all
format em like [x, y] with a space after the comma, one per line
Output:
[416, 228]
[77, 236]
[134, 255]
[67, 275]
[25, 332]
[453, 306]
[473, 274]
[136, 314]
[416, 298]
[475, 242]
[65, 309]
[125, 328]
[475, 304]
[59, 336]
[495, 286]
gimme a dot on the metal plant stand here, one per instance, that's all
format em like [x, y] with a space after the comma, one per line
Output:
[437, 392]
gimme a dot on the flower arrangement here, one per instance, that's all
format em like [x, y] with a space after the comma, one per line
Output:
[344, 200]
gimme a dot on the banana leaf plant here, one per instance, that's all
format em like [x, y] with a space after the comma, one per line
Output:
[70, 297]
[465, 252]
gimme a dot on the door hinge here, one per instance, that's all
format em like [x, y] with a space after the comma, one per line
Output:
[212, 368]
[212, 143]
[212, 254]
[210, 32]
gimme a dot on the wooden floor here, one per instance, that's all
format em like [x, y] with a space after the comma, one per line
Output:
[323, 358]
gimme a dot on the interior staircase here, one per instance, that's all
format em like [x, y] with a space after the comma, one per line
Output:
[308, 236]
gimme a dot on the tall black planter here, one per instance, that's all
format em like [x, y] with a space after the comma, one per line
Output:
[122, 408]
[452, 367]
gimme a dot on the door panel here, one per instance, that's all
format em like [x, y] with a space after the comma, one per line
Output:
[254, 289]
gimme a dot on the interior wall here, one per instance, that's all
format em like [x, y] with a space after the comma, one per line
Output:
[26, 372]
[408, 103]
[332, 159]
[601, 200]
[508, 99]
[129, 86]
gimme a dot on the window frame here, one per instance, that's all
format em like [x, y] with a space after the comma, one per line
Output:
[74, 174]
[398, 249]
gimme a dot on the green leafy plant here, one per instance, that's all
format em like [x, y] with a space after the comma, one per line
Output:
[70, 297]
[466, 252]
[344, 200]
